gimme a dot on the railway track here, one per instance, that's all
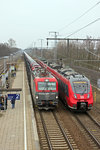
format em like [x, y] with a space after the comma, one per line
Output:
[97, 109]
[91, 127]
[95, 113]
[52, 135]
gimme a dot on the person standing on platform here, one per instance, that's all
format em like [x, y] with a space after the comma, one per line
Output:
[2, 102]
[5, 102]
[13, 102]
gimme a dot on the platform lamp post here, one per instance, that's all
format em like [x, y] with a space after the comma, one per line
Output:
[4, 65]
[55, 50]
[10, 61]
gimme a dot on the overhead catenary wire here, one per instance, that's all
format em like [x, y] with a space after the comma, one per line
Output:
[92, 53]
[80, 16]
[86, 49]
[83, 27]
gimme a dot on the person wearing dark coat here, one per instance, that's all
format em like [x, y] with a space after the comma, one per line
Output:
[13, 102]
[5, 102]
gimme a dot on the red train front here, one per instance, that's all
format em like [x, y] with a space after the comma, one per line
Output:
[45, 91]
[76, 92]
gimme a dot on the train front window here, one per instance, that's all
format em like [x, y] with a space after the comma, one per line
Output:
[80, 87]
[51, 85]
[46, 85]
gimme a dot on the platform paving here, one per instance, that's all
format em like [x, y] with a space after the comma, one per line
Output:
[17, 126]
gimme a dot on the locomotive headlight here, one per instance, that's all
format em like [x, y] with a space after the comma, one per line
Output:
[57, 97]
[46, 80]
[75, 96]
[36, 97]
[88, 96]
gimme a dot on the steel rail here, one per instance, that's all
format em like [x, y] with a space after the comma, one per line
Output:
[97, 109]
[91, 135]
[61, 129]
[63, 132]
[46, 132]
[93, 119]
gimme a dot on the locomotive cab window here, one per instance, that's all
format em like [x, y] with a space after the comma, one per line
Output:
[46, 85]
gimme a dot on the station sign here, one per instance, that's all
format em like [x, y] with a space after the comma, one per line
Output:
[15, 96]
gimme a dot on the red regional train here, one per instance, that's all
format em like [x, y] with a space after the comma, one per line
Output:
[44, 87]
[74, 89]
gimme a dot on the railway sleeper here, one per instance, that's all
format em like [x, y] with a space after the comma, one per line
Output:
[55, 134]
[57, 139]
[60, 146]
[58, 142]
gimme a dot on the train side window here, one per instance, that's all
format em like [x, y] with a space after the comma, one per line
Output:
[63, 86]
[60, 84]
[34, 88]
[66, 90]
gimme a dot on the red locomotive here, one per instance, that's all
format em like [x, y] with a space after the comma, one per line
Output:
[74, 89]
[44, 87]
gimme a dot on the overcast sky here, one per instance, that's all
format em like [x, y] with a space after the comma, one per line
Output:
[27, 21]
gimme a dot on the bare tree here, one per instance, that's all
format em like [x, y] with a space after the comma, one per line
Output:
[12, 43]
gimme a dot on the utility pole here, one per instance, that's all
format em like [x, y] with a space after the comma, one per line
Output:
[34, 50]
[55, 51]
[41, 47]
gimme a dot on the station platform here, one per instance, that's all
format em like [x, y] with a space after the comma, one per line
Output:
[17, 126]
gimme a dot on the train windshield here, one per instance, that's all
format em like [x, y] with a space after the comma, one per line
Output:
[80, 87]
[46, 85]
